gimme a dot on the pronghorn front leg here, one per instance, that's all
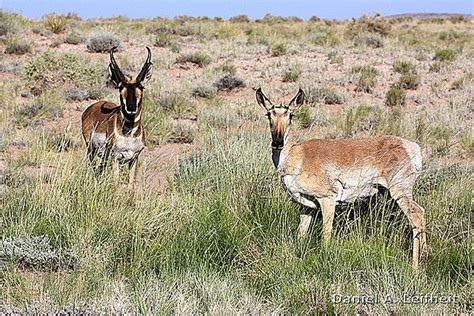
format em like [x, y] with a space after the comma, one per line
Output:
[328, 208]
[305, 220]
[133, 173]
[115, 171]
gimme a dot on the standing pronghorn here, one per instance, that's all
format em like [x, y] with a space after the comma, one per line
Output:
[331, 171]
[116, 130]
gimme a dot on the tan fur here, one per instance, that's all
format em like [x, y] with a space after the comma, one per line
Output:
[325, 172]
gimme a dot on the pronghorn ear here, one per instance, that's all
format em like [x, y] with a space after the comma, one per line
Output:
[263, 100]
[297, 100]
[116, 75]
[145, 73]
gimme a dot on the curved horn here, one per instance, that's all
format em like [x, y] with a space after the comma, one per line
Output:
[116, 74]
[145, 73]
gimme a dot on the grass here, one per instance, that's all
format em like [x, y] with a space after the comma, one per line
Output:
[199, 58]
[395, 97]
[251, 255]
[367, 78]
[55, 23]
[209, 229]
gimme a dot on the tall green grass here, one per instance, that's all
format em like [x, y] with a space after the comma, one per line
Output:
[222, 239]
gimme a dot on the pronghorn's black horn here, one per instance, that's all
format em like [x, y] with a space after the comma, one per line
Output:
[116, 74]
[145, 73]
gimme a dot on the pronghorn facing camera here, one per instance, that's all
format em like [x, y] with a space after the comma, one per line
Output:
[115, 131]
[330, 171]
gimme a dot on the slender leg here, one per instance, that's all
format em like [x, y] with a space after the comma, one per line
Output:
[133, 174]
[328, 208]
[415, 215]
[305, 221]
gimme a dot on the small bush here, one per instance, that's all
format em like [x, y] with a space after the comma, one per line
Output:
[368, 24]
[163, 40]
[395, 97]
[403, 67]
[175, 48]
[176, 104]
[324, 95]
[7, 24]
[365, 39]
[334, 58]
[445, 55]
[367, 78]
[291, 74]
[35, 253]
[48, 107]
[409, 81]
[239, 19]
[409, 78]
[73, 38]
[278, 49]
[17, 47]
[182, 134]
[304, 117]
[199, 58]
[228, 83]
[55, 23]
[228, 68]
[204, 91]
[102, 42]
[325, 39]
[52, 70]
[82, 94]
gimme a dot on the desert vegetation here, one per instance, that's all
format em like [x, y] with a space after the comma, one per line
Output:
[209, 228]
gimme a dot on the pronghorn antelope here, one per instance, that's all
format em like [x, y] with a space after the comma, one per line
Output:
[333, 171]
[115, 131]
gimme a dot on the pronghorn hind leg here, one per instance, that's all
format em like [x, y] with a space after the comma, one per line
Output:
[416, 217]
[328, 208]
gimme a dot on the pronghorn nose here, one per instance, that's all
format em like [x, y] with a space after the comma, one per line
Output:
[278, 143]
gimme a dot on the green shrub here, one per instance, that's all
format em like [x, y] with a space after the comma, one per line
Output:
[7, 23]
[315, 94]
[16, 47]
[182, 134]
[334, 58]
[278, 49]
[53, 70]
[368, 24]
[163, 40]
[291, 74]
[395, 97]
[367, 39]
[367, 78]
[102, 42]
[73, 38]
[199, 58]
[48, 106]
[55, 23]
[325, 38]
[227, 67]
[409, 81]
[239, 19]
[204, 91]
[409, 78]
[445, 55]
[304, 117]
[404, 67]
